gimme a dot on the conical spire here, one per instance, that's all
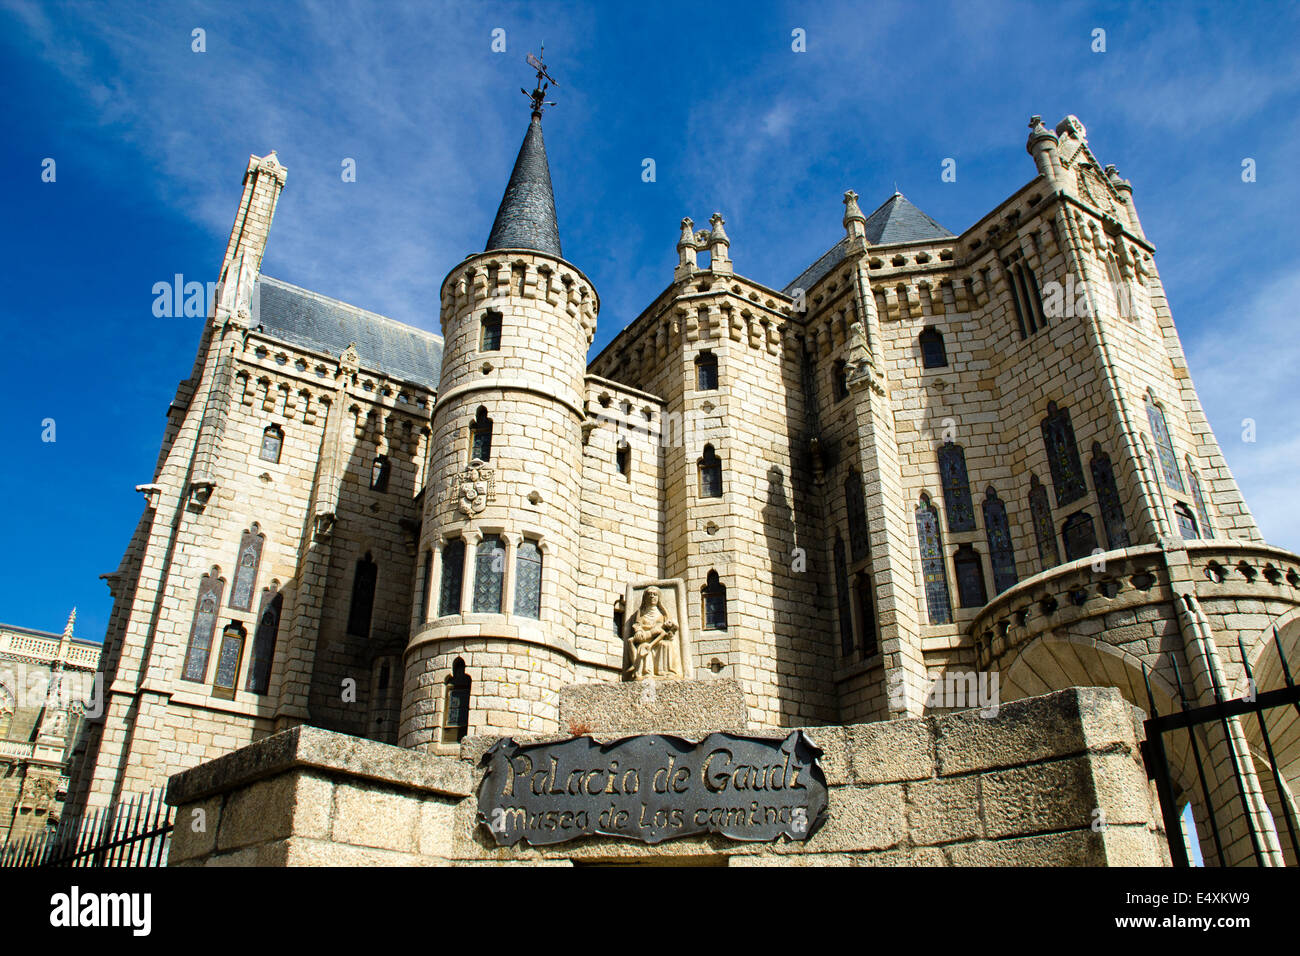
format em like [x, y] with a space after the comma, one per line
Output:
[526, 219]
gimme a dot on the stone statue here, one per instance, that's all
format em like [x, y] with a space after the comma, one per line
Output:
[653, 640]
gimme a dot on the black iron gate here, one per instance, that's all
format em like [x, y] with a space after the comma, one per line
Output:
[134, 832]
[1192, 719]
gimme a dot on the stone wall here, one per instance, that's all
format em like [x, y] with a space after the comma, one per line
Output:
[1048, 781]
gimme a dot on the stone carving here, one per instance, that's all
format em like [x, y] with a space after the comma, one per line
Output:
[474, 487]
[656, 632]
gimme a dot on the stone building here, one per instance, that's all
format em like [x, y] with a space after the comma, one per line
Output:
[928, 464]
[47, 691]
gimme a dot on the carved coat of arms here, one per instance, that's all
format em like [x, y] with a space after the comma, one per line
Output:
[474, 487]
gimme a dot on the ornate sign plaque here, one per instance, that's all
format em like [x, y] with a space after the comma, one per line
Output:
[653, 788]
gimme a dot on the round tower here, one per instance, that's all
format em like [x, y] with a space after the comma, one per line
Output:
[492, 634]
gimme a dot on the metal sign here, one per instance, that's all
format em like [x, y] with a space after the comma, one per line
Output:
[653, 788]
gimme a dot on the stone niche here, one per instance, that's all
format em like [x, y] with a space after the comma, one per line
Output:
[1026, 787]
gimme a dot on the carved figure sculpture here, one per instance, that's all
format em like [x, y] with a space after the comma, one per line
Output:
[653, 640]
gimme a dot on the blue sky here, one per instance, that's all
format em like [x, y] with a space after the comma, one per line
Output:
[150, 141]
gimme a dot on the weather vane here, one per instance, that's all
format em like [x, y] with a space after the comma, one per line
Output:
[544, 80]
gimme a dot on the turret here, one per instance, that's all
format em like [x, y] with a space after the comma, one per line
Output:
[492, 641]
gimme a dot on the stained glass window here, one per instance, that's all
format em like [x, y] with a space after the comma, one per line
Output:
[363, 596]
[933, 572]
[528, 580]
[203, 628]
[480, 434]
[1063, 456]
[268, 625]
[489, 575]
[229, 655]
[970, 577]
[706, 372]
[272, 442]
[426, 585]
[455, 724]
[866, 601]
[250, 556]
[842, 598]
[1001, 552]
[453, 572]
[1080, 536]
[710, 474]
[1207, 527]
[1164, 445]
[490, 333]
[1040, 513]
[715, 602]
[1112, 512]
[933, 354]
[956, 488]
[856, 506]
[1186, 522]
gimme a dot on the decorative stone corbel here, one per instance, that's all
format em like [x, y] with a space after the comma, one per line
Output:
[199, 492]
[323, 524]
[151, 495]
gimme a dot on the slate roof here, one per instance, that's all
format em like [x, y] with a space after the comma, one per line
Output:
[897, 220]
[299, 317]
[526, 218]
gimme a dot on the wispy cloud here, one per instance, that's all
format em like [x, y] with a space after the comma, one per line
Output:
[1244, 367]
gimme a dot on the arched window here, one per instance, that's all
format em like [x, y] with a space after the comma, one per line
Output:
[489, 575]
[1207, 526]
[1063, 456]
[623, 458]
[455, 713]
[1186, 521]
[379, 474]
[363, 596]
[272, 442]
[856, 506]
[229, 655]
[840, 380]
[528, 580]
[1164, 445]
[864, 596]
[453, 572]
[1079, 535]
[203, 627]
[706, 372]
[715, 603]
[1040, 514]
[970, 577]
[933, 572]
[933, 354]
[956, 488]
[710, 474]
[246, 564]
[268, 626]
[490, 332]
[998, 531]
[480, 436]
[1112, 512]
